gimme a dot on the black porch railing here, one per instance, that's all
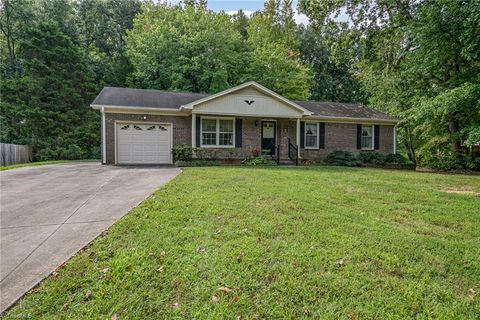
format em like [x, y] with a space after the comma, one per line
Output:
[293, 152]
[274, 152]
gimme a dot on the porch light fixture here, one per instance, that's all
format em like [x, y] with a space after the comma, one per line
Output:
[144, 117]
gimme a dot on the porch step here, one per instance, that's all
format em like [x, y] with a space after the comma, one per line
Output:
[286, 162]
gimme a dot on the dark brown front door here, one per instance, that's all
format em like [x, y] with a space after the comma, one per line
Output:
[268, 136]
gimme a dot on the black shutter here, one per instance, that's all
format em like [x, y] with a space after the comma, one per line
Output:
[359, 136]
[321, 142]
[376, 138]
[197, 130]
[302, 134]
[238, 133]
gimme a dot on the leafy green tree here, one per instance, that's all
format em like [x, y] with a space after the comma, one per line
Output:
[184, 48]
[330, 62]
[275, 59]
[15, 16]
[412, 55]
[47, 106]
[240, 23]
[102, 30]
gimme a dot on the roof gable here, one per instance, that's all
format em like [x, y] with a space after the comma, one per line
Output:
[250, 99]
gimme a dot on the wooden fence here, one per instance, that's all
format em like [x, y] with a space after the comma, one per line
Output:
[14, 153]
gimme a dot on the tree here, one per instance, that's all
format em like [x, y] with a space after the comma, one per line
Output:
[184, 48]
[103, 26]
[47, 106]
[330, 62]
[275, 59]
[411, 55]
[15, 16]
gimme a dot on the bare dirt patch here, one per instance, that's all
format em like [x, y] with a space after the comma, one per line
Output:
[461, 190]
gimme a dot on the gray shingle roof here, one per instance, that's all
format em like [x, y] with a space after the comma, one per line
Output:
[342, 110]
[127, 97]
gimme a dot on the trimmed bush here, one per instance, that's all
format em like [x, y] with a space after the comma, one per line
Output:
[371, 157]
[258, 161]
[342, 158]
[396, 158]
[197, 163]
[455, 162]
[182, 152]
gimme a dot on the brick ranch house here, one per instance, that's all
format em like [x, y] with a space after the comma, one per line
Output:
[142, 126]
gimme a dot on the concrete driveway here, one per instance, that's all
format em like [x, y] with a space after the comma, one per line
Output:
[50, 212]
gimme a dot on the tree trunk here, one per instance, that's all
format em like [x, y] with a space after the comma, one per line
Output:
[453, 128]
[411, 148]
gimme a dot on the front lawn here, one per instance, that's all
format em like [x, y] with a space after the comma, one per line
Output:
[275, 243]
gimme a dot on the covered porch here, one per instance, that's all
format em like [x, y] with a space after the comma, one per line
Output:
[241, 137]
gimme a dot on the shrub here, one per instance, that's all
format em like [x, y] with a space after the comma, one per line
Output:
[371, 157]
[455, 162]
[258, 161]
[342, 158]
[197, 163]
[182, 152]
[396, 158]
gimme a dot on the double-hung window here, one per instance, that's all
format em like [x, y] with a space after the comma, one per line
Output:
[217, 132]
[367, 137]
[311, 135]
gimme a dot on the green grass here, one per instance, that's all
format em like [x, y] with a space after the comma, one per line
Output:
[320, 242]
[39, 163]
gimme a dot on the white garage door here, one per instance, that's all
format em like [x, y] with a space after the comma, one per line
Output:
[144, 143]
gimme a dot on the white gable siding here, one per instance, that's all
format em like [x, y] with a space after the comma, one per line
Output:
[234, 104]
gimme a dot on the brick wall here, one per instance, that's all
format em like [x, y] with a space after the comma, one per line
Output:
[343, 136]
[338, 136]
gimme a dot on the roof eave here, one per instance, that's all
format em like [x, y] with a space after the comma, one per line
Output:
[100, 106]
[354, 119]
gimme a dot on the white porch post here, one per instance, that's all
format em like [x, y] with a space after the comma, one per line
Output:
[104, 143]
[193, 130]
[298, 138]
[395, 139]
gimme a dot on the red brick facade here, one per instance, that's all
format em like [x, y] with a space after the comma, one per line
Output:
[338, 136]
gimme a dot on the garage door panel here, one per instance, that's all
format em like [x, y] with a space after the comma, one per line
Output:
[144, 143]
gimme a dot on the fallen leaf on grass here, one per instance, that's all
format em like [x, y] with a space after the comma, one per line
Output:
[225, 289]
[160, 269]
[176, 305]
[215, 299]
[471, 293]
[88, 294]
[114, 317]
[340, 262]
[240, 256]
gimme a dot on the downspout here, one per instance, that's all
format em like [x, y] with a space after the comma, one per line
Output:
[298, 138]
[194, 131]
[104, 135]
[395, 138]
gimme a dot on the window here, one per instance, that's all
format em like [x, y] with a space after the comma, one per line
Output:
[367, 137]
[217, 132]
[311, 135]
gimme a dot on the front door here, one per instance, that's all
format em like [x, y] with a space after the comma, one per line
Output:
[268, 136]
